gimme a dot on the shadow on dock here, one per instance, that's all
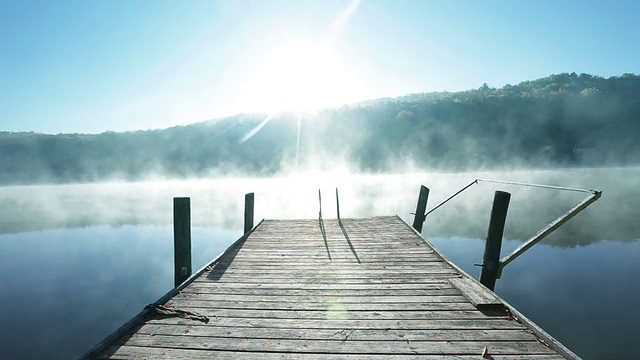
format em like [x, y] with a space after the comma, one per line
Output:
[218, 270]
[346, 236]
[324, 236]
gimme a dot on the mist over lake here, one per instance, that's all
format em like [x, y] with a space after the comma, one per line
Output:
[79, 260]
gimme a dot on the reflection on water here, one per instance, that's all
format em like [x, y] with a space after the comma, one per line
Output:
[77, 261]
[65, 290]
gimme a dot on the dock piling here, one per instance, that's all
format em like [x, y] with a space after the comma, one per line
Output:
[181, 239]
[420, 216]
[493, 245]
[248, 212]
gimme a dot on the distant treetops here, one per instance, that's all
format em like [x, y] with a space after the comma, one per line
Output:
[560, 120]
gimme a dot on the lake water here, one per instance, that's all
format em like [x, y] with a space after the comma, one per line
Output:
[78, 261]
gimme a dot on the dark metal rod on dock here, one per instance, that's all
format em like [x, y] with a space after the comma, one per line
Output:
[181, 239]
[320, 202]
[477, 181]
[451, 197]
[338, 206]
[491, 258]
[420, 216]
[248, 212]
[553, 187]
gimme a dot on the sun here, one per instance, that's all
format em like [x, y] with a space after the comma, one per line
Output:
[301, 77]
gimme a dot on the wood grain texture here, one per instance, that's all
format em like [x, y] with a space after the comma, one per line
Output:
[135, 352]
[374, 290]
[477, 294]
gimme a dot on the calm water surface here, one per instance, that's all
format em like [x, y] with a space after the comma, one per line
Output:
[77, 261]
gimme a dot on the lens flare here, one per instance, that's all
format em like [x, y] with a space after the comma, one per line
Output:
[336, 311]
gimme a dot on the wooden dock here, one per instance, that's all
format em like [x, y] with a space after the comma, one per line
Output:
[355, 289]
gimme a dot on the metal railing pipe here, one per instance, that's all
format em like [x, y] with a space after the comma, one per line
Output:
[544, 232]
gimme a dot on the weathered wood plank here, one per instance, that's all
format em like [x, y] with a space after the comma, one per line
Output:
[301, 299]
[428, 269]
[340, 346]
[318, 306]
[136, 352]
[408, 275]
[479, 296]
[401, 248]
[293, 264]
[364, 248]
[436, 291]
[342, 244]
[332, 280]
[338, 335]
[426, 284]
[334, 274]
[274, 261]
[343, 323]
[309, 263]
[340, 256]
[452, 311]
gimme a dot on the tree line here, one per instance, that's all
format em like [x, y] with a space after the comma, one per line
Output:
[560, 120]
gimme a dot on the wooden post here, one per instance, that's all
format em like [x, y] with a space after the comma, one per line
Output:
[418, 220]
[181, 239]
[248, 212]
[491, 258]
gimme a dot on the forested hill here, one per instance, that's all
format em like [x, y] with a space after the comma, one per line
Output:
[560, 120]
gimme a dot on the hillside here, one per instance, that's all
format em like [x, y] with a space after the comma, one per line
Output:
[560, 120]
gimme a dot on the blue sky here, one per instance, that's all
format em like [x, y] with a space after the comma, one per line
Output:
[92, 66]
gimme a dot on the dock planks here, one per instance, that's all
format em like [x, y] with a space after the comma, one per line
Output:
[374, 289]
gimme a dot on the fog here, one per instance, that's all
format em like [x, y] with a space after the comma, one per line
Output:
[218, 203]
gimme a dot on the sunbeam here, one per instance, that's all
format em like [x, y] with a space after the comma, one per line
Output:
[255, 130]
[339, 21]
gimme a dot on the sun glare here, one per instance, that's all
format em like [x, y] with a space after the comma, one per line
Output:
[301, 77]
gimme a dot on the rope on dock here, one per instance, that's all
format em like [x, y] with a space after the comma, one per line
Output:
[185, 314]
